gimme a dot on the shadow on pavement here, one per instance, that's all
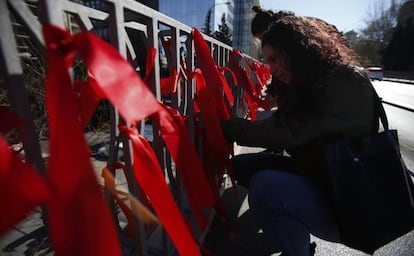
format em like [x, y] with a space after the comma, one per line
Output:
[242, 237]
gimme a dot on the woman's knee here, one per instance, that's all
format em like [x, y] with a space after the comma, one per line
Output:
[269, 180]
[261, 187]
[272, 189]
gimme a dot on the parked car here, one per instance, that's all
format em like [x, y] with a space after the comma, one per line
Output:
[375, 73]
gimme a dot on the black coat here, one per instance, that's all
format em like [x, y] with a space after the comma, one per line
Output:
[341, 104]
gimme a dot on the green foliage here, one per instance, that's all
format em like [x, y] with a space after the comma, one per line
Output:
[368, 51]
[223, 34]
[207, 28]
[399, 53]
[373, 40]
[382, 24]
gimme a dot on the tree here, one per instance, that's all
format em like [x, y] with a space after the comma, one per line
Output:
[374, 38]
[207, 29]
[368, 51]
[351, 36]
[223, 34]
[399, 53]
[381, 22]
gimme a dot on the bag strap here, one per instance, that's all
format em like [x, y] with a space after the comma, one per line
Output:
[383, 117]
[410, 172]
[380, 109]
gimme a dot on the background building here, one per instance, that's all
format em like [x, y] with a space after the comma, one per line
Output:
[193, 13]
[242, 36]
[238, 16]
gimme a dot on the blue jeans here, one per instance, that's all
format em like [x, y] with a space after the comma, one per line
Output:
[287, 206]
[246, 165]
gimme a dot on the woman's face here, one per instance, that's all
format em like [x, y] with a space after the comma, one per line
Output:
[278, 63]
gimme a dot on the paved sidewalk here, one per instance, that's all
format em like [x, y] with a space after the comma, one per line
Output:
[29, 237]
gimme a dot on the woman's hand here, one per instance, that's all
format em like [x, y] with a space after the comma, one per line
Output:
[232, 128]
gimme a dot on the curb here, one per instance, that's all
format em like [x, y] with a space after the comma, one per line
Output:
[398, 106]
[397, 80]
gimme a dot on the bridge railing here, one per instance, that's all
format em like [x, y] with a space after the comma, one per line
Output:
[132, 29]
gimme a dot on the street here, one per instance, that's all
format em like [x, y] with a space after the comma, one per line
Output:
[398, 118]
[397, 93]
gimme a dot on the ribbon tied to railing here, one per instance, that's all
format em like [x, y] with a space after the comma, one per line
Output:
[111, 77]
[75, 196]
[21, 187]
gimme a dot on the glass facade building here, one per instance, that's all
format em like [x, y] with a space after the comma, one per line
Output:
[242, 36]
[194, 13]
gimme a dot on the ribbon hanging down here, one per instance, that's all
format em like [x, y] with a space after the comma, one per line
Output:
[201, 193]
[177, 139]
[217, 150]
[77, 212]
[174, 132]
[21, 188]
[260, 71]
[168, 84]
[150, 178]
[210, 72]
[253, 101]
[134, 101]
[209, 98]
[9, 120]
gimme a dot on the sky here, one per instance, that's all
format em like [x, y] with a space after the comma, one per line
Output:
[344, 14]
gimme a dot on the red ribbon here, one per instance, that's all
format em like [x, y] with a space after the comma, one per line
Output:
[174, 132]
[253, 101]
[219, 153]
[169, 84]
[21, 188]
[115, 79]
[10, 120]
[217, 150]
[262, 73]
[211, 75]
[209, 99]
[201, 191]
[151, 54]
[250, 86]
[76, 196]
[150, 177]
[79, 218]
[87, 99]
[211, 119]
[227, 91]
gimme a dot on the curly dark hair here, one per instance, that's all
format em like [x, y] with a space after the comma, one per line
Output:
[313, 46]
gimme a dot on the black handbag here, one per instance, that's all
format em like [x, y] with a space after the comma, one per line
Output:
[372, 191]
